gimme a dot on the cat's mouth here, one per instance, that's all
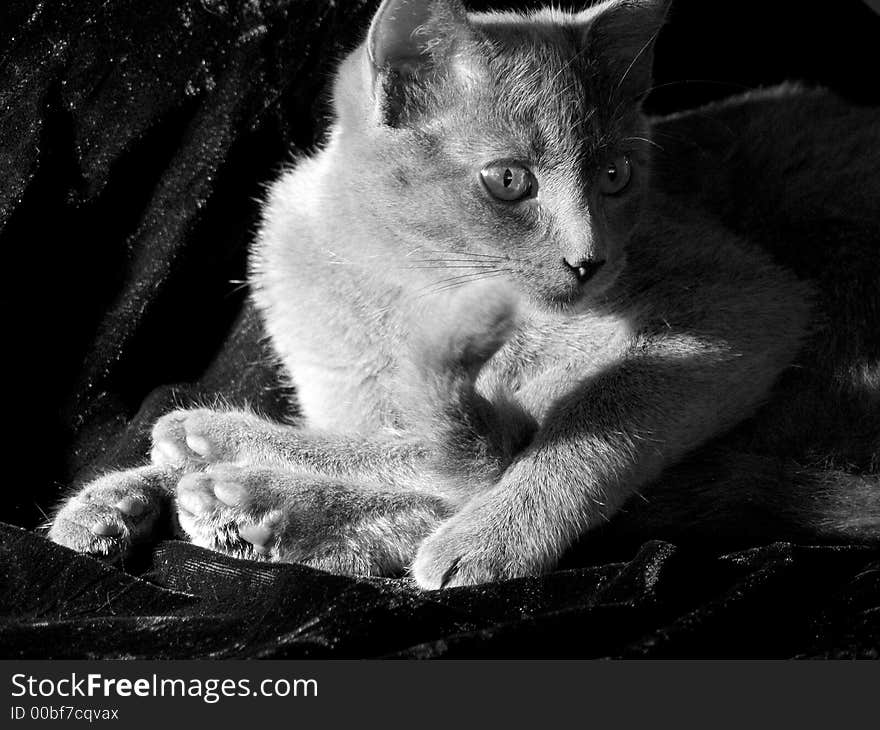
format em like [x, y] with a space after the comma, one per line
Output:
[572, 295]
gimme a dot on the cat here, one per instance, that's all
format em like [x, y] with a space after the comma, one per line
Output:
[511, 304]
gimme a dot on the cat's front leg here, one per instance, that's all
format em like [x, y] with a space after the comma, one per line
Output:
[196, 438]
[273, 513]
[115, 511]
[608, 437]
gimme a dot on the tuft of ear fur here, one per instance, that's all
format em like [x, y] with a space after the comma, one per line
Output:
[410, 41]
[621, 36]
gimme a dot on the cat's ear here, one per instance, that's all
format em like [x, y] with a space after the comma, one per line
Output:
[621, 35]
[408, 41]
[405, 35]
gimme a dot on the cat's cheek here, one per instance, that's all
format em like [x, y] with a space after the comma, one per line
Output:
[621, 212]
[617, 221]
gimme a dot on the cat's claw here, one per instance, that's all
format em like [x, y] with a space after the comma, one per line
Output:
[225, 508]
[108, 516]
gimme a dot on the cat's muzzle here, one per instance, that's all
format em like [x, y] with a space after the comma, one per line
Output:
[585, 269]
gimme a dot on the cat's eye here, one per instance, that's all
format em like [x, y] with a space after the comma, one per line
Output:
[615, 175]
[508, 181]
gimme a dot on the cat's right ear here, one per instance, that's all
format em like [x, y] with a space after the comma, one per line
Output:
[410, 41]
[621, 35]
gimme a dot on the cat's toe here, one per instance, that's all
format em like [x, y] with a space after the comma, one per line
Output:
[195, 496]
[87, 530]
[464, 552]
[450, 569]
[263, 535]
[225, 508]
[172, 442]
[221, 487]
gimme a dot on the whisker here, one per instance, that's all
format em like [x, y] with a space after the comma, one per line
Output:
[42, 512]
[448, 266]
[455, 285]
[728, 84]
[636, 58]
[645, 140]
[456, 253]
[478, 262]
[463, 277]
[568, 64]
[239, 285]
[459, 280]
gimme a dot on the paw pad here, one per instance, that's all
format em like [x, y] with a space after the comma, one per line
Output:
[226, 508]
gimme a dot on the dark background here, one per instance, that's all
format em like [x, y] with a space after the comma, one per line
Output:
[135, 141]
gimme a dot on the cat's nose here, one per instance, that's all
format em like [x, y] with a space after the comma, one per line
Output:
[585, 269]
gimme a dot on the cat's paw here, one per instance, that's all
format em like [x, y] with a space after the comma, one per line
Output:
[232, 509]
[474, 325]
[469, 549]
[109, 515]
[201, 436]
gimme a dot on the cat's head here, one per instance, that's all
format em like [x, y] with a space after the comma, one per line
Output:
[504, 142]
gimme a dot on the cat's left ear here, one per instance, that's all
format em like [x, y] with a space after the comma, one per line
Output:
[621, 35]
[410, 40]
[407, 35]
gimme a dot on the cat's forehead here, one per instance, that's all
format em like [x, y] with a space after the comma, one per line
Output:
[546, 56]
[535, 81]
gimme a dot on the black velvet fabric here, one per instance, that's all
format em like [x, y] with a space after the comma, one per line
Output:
[135, 139]
[777, 600]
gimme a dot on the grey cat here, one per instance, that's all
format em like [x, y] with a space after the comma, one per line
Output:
[510, 304]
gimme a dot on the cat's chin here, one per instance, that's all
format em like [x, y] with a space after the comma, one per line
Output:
[574, 302]
[562, 305]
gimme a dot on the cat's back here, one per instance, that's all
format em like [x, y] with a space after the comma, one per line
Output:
[792, 172]
[775, 164]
